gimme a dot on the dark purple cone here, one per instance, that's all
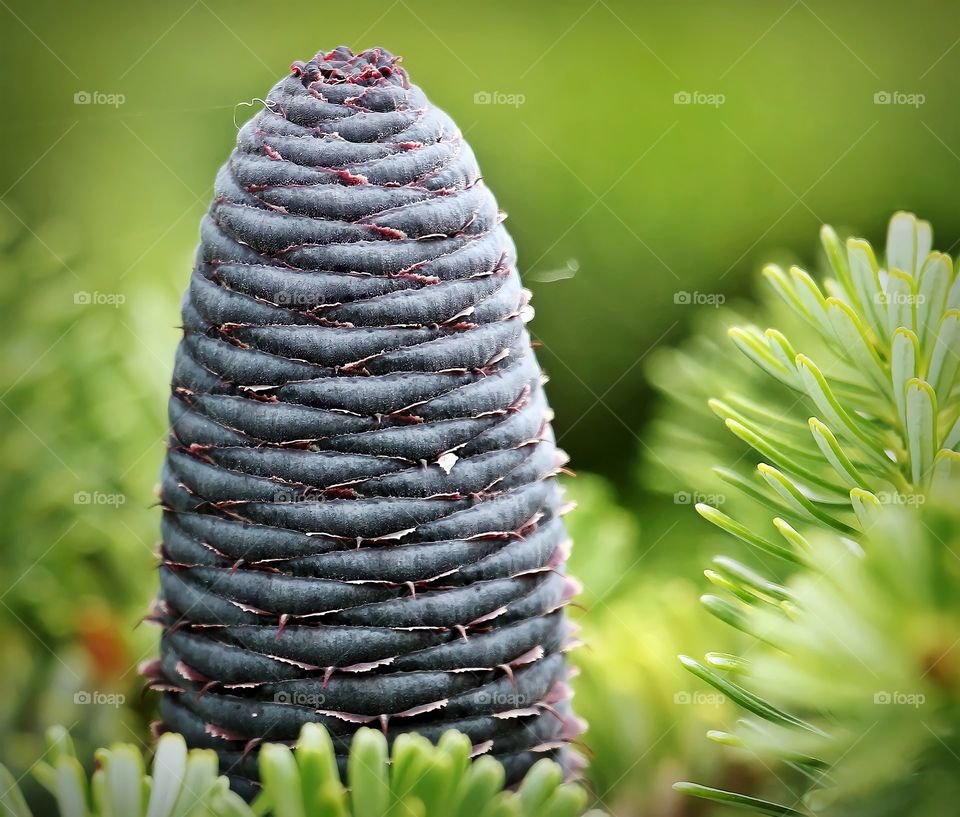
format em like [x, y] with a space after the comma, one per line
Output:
[361, 522]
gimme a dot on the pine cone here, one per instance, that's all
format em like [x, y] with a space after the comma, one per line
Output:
[361, 522]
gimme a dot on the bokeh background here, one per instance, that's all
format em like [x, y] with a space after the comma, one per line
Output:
[650, 155]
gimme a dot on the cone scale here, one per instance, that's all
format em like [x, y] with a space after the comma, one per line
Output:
[361, 518]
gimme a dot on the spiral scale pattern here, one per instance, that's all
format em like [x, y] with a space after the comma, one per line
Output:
[361, 521]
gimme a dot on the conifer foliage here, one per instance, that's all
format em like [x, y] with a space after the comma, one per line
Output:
[847, 496]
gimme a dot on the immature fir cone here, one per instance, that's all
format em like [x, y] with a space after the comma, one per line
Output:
[362, 523]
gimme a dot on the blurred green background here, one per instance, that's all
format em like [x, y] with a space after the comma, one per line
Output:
[650, 157]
